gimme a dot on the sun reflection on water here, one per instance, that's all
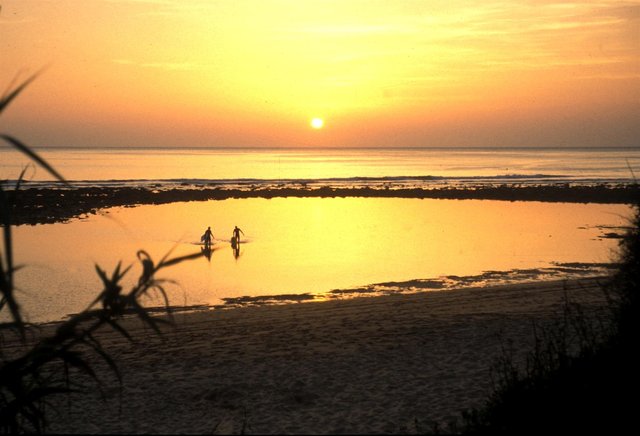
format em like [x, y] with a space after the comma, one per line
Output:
[307, 245]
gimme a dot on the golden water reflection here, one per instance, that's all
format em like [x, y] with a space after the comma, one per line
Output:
[299, 245]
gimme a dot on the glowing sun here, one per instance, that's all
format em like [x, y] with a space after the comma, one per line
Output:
[317, 123]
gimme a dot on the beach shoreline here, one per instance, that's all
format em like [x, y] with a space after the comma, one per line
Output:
[396, 363]
[50, 205]
[387, 364]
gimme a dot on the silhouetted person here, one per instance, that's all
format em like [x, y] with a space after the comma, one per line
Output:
[236, 234]
[207, 237]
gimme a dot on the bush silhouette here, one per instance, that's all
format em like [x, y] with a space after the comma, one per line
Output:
[29, 380]
[588, 388]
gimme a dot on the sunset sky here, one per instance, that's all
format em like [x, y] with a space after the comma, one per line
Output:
[240, 73]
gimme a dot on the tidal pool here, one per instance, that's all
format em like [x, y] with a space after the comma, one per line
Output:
[304, 245]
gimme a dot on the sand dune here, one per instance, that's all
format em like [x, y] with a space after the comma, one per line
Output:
[367, 365]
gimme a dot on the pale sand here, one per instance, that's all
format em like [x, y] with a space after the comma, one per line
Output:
[390, 364]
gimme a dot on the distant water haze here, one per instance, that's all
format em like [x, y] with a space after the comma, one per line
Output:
[179, 164]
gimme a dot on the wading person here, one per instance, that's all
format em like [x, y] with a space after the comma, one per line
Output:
[207, 237]
[236, 235]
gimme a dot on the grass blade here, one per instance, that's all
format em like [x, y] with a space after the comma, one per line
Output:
[33, 155]
[8, 98]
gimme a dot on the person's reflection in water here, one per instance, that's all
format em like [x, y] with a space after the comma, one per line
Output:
[235, 246]
[236, 251]
[207, 252]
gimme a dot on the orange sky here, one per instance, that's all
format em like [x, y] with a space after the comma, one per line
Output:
[380, 73]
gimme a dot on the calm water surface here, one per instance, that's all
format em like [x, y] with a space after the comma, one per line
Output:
[300, 245]
[229, 164]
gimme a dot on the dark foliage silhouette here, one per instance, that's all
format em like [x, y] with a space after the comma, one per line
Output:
[583, 375]
[61, 362]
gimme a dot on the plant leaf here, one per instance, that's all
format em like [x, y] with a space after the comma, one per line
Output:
[33, 155]
[9, 97]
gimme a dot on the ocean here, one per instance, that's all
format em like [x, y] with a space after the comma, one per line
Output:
[309, 249]
[420, 167]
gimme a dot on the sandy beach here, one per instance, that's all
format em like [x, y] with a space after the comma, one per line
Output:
[391, 364]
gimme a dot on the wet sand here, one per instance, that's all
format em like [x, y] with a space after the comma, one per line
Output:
[390, 364]
[48, 205]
